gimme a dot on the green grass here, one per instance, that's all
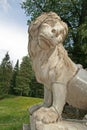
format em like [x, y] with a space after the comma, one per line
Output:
[14, 111]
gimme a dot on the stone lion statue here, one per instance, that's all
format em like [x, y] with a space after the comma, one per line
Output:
[63, 80]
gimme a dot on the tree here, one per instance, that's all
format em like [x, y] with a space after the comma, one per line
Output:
[74, 13]
[79, 50]
[24, 77]
[25, 82]
[36, 89]
[14, 78]
[5, 74]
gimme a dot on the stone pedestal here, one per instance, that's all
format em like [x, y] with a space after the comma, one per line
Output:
[62, 125]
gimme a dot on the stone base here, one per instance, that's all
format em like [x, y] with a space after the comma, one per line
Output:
[62, 125]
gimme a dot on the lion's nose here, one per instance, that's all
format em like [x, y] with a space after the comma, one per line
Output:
[55, 32]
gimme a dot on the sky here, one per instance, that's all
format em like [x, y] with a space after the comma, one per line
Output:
[13, 30]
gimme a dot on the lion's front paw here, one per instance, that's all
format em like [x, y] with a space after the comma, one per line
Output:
[46, 115]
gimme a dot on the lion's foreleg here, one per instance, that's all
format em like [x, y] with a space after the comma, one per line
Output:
[59, 97]
[54, 102]
[47, 97]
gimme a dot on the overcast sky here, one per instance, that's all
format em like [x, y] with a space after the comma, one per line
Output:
[13, 30]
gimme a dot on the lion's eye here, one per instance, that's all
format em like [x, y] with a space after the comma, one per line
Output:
[53, 31]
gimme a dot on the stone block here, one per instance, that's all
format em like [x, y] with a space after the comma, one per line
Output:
[60, 125]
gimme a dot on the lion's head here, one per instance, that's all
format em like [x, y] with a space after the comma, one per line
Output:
[47, 31]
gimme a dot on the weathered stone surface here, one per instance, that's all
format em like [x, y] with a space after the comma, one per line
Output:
[63, 126]
[60, 125]
[64, 81]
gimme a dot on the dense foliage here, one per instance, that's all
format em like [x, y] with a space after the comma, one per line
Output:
[5, 74]
[74, 13]
[19, 80]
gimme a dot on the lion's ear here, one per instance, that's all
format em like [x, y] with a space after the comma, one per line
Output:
[43, 43]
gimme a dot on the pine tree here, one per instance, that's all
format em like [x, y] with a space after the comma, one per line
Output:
[36, 89]
[14, 78]
[5, 74]
[24, 77]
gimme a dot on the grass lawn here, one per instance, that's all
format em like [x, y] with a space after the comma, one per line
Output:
[14, 111]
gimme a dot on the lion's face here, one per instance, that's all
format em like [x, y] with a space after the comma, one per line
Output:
[46, 32]
[53, 34]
